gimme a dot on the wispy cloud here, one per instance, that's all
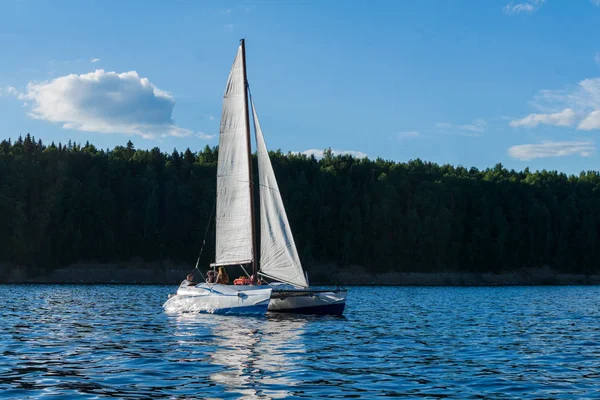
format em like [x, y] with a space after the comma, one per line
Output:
[552, 149]
[9, 90]
[228, 26]
[55, 62]
[13, 91]
[106, 102]
[564, 118]
[574, 106]
[592, 121]
[528, 6]
[595, 2]
[319, 153]
[94, 60]
[409, 135]
[476, 128]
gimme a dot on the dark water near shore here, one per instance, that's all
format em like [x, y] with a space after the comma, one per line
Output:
[115, 341]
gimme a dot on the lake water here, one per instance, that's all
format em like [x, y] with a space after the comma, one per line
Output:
[115, 341]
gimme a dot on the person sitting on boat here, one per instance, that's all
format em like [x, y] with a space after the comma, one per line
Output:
[189, 281]
[211, 276]
[222, 277]
[256, 281]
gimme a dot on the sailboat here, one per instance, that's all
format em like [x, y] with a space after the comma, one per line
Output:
[235, 236]
[280, 264]
[279, 258]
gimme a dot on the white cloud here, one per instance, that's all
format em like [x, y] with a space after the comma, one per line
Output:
[319, 153]
[106, 102]
[552, 149]
[409, 135]
[529, 6]
[13, 91]
[592, 121]
[564, 118]
[205, 136]
[9, 90]
[476, 128]
[94, 60]
[584, 96]
[573, 106]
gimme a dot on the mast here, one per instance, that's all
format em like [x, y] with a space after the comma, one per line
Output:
[250, 181]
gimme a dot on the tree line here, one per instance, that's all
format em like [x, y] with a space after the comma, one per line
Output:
[61, 204]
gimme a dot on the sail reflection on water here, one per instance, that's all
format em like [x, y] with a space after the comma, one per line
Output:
[257, 354]
[282, 351]
[245, 357]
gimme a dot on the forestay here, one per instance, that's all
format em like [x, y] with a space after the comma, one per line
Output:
[278, 254]
[233, 215]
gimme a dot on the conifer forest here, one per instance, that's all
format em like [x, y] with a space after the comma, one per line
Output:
[66, 203]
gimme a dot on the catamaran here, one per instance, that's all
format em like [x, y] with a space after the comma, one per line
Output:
[288, 290]
[234, 211]
[279, 258]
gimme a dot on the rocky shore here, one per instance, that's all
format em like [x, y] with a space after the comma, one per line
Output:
[172, 274]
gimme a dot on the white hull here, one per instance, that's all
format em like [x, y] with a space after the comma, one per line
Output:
[308, 301]
[220, 299]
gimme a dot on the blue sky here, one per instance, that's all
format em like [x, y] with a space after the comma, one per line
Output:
[456, 81]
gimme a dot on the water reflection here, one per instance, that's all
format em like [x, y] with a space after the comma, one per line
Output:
[75, 341]
[250, 357]
[236, 352]
[282, 349]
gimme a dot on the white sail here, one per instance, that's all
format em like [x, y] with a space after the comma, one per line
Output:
[233, 216]
[278, 254]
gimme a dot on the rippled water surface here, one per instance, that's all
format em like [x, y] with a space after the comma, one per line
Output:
[115, 341]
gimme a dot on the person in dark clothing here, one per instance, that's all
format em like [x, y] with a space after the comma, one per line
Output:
[212, 278]
[189, 281]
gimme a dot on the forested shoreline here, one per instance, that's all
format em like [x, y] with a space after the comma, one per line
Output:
[72, 203]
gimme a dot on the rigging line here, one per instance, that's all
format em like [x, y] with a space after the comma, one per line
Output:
[268, 187]
[204, 240]
[246, 272]
[253, 125]
[257, 265]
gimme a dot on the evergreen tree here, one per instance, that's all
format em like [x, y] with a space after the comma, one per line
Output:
[65, 204]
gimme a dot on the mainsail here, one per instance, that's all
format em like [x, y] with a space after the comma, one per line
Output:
[233, 217]
[278, 254]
